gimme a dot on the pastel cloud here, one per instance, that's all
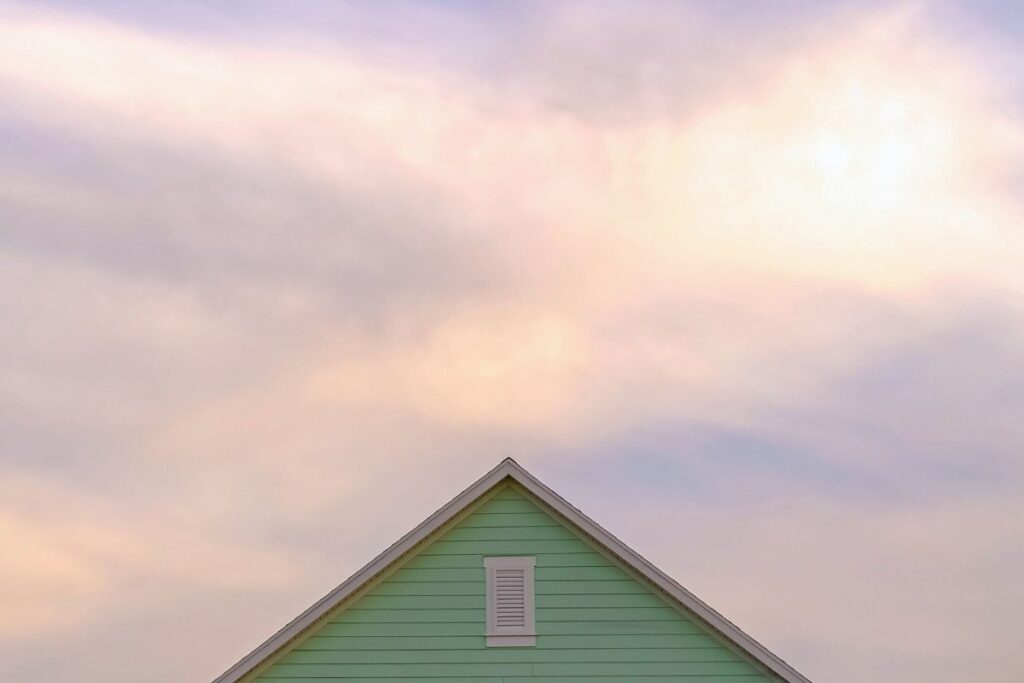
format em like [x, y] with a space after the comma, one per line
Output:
[252, 282]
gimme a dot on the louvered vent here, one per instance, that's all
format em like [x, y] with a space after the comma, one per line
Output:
[510, 597]
[510, 600]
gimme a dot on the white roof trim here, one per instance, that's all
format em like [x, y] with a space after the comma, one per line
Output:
[509, 468]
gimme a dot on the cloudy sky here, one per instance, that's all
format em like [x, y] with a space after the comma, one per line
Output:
[743, 281]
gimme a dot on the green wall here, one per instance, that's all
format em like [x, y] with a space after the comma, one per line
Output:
[425, 622]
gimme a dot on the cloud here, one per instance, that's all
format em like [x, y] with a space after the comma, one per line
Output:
[899, 571]
[842, 166]
[63, 572]
[770, 295]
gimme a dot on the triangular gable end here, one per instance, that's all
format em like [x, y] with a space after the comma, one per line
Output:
[602, 609]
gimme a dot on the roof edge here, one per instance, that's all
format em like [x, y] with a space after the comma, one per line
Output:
[666, 583]
[325, 604]
[509, 468]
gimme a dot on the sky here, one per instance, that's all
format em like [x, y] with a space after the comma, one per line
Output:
[742, 281]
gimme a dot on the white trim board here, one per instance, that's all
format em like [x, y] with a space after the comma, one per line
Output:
[510, 469]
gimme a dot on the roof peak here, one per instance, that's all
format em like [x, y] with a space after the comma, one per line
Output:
[509, 468]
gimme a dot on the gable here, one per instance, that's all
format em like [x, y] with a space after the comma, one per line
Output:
[595, 618]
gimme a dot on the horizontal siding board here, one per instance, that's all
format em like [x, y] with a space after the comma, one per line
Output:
[430, 602]
[500, 546]
[447, 670]
[394, 588]
[473, 560]
[590, 600]
[595, 622]
[605, 573]
[641, 669]
[442, 643]
[565, 590]
[398, 616]
[681, 678]
[618, 627]
[418, 575]
[607, 614]
[598, 587]
[515, 505]
[499, 520]
[607, 655]
[460, 574]
[590, 559]
[512, 533]
[392, 679]
[556, 628]
[468, 561]
[472, 642]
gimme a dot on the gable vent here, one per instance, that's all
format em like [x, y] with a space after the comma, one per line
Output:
[510, 597]
[510, 601]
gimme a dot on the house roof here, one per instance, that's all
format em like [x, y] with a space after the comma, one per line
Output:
[510, 469]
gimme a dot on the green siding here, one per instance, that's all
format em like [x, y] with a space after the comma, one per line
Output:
[425, 621]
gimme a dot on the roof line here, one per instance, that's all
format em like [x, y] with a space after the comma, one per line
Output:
[325, 604]
[509, 468]
[663, 581]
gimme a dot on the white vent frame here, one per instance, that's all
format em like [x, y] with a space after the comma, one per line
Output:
[523, 635]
